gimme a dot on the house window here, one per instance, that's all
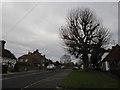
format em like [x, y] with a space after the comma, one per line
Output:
[26, 60]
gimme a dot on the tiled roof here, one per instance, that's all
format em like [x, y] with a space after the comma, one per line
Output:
[114, 53]
[6, 53]
[33, 58]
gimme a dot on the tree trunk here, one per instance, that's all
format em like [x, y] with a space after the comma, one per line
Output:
[85, 62]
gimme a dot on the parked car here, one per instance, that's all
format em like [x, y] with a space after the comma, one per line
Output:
[62, 67]
[76, 68]
[51, 67]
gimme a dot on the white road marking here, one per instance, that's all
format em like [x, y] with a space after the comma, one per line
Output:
[21, 76]
[33, 84]
[46, 79]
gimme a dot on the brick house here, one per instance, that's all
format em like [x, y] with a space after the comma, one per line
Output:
[33, 59]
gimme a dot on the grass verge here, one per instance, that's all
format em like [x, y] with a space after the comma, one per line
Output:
[92, 79]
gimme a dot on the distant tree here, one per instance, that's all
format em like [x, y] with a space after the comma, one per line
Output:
[50, 61]
[96, 55]
[46, 63]
[36, 51]
[16, 67]
[57, 63]
[83, 33]
[65, 59]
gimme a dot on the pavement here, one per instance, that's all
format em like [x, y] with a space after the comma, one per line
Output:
[34, 79]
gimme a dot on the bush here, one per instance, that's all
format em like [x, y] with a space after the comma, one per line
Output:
[4, 68]
[11, 69]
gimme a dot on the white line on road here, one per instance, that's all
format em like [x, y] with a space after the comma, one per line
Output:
[17, 72]
[51, 78]
[22, 75]
[33, 84]
[46, 79]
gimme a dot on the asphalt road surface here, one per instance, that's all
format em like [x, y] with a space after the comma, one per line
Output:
[34, 79]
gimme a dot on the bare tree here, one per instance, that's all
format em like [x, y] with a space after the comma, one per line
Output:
[83, 33]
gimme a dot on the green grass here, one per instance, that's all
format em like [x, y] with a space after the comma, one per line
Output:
[80, 79]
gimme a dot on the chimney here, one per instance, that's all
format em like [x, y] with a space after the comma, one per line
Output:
[44, 56]
[2, 44]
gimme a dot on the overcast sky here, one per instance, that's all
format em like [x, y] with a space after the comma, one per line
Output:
[27, 26]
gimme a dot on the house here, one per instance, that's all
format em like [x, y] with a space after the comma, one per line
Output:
[5, 55]
[111, 60]
[33, 59]
[7, 58]
[104, 65]
[114, 58]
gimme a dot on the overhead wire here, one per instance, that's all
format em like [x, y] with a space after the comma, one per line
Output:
[19, 21]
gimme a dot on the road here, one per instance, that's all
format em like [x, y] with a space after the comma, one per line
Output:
[34, 79]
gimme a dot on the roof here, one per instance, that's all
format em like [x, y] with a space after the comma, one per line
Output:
[103, 57]
[33, 58]
[6, 53]
[114, 54]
